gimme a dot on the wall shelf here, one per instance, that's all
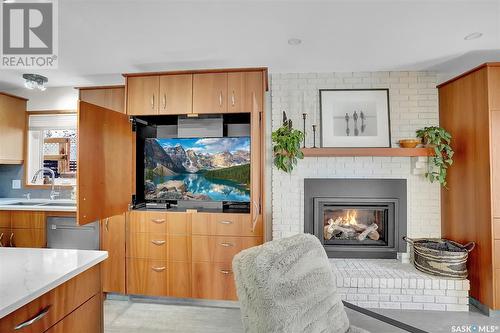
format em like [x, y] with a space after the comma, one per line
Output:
[397, 152]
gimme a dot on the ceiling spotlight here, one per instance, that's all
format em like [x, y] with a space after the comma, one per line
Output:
[33, 81]
[294, 41]
[474, 35]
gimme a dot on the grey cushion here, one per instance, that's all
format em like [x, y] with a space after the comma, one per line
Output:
[287, 285]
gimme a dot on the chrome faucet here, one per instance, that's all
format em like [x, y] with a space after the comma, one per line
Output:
[53, 194]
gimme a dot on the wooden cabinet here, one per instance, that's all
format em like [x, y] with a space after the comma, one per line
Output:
[210, 93]
[176, 94]
[220, 248]
[113, 240]
[223, 224]
[147, 277]
[82, 320]
[143, 95]
[213, 281]
[27, 229]
[469, 109]
[57, 305]
[110, 97]
[245, 91]
[12, 128]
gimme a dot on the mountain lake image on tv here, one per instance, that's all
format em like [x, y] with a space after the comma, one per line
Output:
[206, 169]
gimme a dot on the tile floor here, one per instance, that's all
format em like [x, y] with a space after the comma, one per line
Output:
[141, 317]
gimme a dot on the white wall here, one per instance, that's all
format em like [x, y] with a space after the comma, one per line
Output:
[413, 104]
[60, 98]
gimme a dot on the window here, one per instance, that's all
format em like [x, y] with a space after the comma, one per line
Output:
[52, 144]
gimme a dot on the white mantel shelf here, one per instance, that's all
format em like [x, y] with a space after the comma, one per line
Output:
[396, 152]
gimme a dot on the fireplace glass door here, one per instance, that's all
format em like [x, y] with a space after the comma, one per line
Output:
[356, 224]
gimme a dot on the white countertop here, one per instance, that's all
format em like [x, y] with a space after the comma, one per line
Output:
[26, 274]
[37, 204]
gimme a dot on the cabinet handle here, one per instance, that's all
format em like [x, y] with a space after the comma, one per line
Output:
[1, 236]
[11, 240]
[158, 269]
[227, 244]
[158, 242]
[153, 101]
[232, 98]
[220, 98]
[256, 215]
[106, 223]
[159, 221]
[226, 222]
[36, 318]
[165, 101]
[225, 271]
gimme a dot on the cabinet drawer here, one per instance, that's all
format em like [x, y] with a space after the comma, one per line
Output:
[4, 219]
[213, 281]
[81, 288]
[222, 224]
[147, 277]
[148, 246]
[25, 219]
[148, 222]
[220, 248]
[86, 319]
[29, 238]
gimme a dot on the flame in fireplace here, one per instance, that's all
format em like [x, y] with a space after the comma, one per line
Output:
[350, 217]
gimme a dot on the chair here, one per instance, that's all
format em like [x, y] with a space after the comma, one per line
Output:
[287, 286]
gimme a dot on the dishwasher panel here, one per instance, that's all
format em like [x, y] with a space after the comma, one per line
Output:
[65, 233]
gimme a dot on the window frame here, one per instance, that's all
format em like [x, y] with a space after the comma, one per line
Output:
[26, 181]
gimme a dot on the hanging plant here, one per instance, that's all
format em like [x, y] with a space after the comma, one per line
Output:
[286, 148]
[439, 139]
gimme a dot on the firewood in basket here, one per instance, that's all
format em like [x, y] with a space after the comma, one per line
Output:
[369, 229]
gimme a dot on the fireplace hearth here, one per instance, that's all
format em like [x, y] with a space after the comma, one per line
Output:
[357, 218]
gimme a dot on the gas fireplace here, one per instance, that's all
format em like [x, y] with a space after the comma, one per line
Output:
[361, 218]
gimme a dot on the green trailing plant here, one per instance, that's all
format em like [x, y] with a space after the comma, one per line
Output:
[438, 139]
[286, 148]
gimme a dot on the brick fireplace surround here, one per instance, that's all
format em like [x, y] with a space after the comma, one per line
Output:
[374, 283]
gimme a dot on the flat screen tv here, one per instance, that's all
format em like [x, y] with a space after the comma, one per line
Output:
[204, 169]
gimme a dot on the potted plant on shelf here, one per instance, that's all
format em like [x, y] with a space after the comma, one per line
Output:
[439, 139]
[286, 149]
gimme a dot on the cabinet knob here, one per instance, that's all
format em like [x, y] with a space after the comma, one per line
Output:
[158, 269]
[226, 222]
[220, 98]
[165, 101]
[225, 271]
[232, 98]
[106, 223]
[11, 240]
[1, 236]
[153, 101]
[158, 221]
[227, 244]
[36, 318]
[158, 242]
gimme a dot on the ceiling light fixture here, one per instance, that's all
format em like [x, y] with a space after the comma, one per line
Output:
[32, 81]
[474, 35]
[294, 41]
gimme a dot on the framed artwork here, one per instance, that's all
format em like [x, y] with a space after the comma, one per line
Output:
[355, 118]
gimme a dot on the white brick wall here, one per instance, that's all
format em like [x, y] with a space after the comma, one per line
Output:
[413, 105]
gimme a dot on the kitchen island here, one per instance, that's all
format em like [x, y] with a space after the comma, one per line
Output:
[50, 290]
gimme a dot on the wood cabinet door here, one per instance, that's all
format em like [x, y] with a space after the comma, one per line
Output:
[85, 319]
[143, 95]
[113, 241]
[243, 89]
[12, 129]
[210, 93]
[35, 238]
[147, 245]
[176, 94]
[105, 161]
[142, 221]
[112, 98]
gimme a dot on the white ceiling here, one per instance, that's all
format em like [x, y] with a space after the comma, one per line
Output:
[99, 40]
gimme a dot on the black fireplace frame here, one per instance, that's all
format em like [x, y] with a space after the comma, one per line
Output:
[318, 192]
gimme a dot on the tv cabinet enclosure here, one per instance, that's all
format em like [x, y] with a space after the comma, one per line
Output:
[469, 108]
[166, 253]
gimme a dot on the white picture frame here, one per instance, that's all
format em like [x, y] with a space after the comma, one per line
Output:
[355, 118]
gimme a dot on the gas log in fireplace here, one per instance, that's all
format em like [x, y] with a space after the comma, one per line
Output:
[357, 218]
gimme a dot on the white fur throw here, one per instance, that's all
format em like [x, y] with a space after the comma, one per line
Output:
[287, 286]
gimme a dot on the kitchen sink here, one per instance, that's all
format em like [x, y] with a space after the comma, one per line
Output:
[41, 203]
[26, 203]
[58, 204]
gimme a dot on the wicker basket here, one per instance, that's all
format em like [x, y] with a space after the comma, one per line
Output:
[440, 257]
